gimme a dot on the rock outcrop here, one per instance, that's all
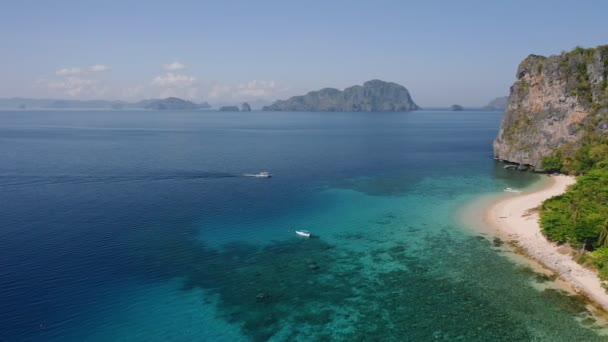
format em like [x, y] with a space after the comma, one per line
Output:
[499, 103]
[245, 107]
[555, 103]
[372, 96]
[229, 109]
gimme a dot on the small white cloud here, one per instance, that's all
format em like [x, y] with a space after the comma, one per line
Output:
[76, 81]
[257, 88]
[100, 68]
[175, 66]
[173, 80]
[178, 85]
[76, 86]
[243, 91]
[134, 92]
[220, 91]
[68, 71]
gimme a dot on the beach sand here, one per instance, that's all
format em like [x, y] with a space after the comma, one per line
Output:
[514, 218]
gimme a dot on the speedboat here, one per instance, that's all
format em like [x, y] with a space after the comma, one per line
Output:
[511, 190]
[304, 233]
[263, 174]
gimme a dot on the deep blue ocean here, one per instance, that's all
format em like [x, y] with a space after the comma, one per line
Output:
[138, 226]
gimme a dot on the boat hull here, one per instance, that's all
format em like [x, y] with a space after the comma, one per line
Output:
[303, 233]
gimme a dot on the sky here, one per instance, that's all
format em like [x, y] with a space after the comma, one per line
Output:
[445, 52]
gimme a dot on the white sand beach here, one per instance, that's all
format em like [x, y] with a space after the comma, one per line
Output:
[514, 217]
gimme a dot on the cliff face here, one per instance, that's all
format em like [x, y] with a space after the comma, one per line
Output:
[373, 96]
[555, 102]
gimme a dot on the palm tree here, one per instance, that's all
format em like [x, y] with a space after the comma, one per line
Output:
[602, 241]
[574, 209]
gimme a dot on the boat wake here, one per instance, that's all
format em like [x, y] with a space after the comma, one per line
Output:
[51, 179]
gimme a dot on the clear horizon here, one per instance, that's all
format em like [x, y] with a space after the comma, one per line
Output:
[463, 53]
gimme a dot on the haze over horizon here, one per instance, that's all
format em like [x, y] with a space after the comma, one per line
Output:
[465, 52]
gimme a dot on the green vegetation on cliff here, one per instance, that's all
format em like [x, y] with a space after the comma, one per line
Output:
[592, 155]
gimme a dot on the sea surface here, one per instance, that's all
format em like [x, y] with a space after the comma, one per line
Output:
[138, 226]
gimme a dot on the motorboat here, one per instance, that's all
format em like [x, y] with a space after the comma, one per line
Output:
[263, 174]
[511, 190]
[304, 233]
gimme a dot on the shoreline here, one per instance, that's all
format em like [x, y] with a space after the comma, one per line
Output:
[514, 218]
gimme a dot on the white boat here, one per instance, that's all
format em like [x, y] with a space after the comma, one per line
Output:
[511, 190]
[258, 175]
[304, 233]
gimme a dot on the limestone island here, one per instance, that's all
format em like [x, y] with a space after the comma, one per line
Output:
[372, 96]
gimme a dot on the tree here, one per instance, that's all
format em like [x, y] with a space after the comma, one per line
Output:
[602, 241]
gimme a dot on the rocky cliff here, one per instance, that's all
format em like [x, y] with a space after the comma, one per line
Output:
[372, 96]
[555, 104]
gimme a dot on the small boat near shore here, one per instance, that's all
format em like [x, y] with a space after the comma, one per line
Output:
[511, 190]
[304, 233]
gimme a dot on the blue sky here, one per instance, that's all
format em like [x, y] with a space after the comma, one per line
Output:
[444, 52]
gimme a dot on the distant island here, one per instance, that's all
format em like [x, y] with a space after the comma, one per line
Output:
[245, 107]
[172, 103]
[169, 103]
[456, 107]
[229, 109]
[372, 96]
[499, 103]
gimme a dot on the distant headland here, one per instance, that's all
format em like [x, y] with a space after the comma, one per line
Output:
[372, 96]
[169, 103]
[499, 103]
[456, 107]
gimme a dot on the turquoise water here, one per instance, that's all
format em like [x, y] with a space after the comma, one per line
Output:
[135, 226]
